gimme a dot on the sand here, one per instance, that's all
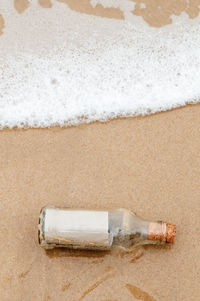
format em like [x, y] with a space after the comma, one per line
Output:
[148, 164]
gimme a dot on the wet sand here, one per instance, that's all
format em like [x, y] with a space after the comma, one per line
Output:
[149, 164]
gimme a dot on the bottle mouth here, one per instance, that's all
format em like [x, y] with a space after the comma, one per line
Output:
[162, 232]
[170, 233]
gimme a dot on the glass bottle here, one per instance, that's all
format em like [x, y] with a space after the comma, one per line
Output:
[100, 230]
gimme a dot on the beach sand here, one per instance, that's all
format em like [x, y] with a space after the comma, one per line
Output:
[149, 164]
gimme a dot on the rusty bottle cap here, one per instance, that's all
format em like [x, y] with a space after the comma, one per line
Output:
[165, 233]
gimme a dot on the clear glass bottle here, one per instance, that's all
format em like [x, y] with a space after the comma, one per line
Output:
[99, 230]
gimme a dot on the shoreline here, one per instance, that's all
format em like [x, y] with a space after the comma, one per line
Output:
[57, 126]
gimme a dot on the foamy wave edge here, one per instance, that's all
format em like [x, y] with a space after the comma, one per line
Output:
[56, 72]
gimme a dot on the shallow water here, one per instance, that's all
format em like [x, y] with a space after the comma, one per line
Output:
[62, 67]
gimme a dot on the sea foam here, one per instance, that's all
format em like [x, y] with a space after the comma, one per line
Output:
[60, 67]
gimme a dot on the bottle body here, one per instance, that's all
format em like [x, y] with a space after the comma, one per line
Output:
[75, 229]
[98, 230]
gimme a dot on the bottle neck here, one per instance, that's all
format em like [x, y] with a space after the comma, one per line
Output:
[128, 229]
[157, 232]
[163, 232]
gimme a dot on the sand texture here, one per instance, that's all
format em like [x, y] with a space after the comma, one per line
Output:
[150, 165]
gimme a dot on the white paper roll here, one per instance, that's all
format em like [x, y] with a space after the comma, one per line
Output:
[75, 228]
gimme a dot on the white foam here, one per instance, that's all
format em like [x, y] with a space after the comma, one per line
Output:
[61, 67]
[142, 5]
[126, 6]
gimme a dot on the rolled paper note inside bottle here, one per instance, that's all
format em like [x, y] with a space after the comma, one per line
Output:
[99, 230]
